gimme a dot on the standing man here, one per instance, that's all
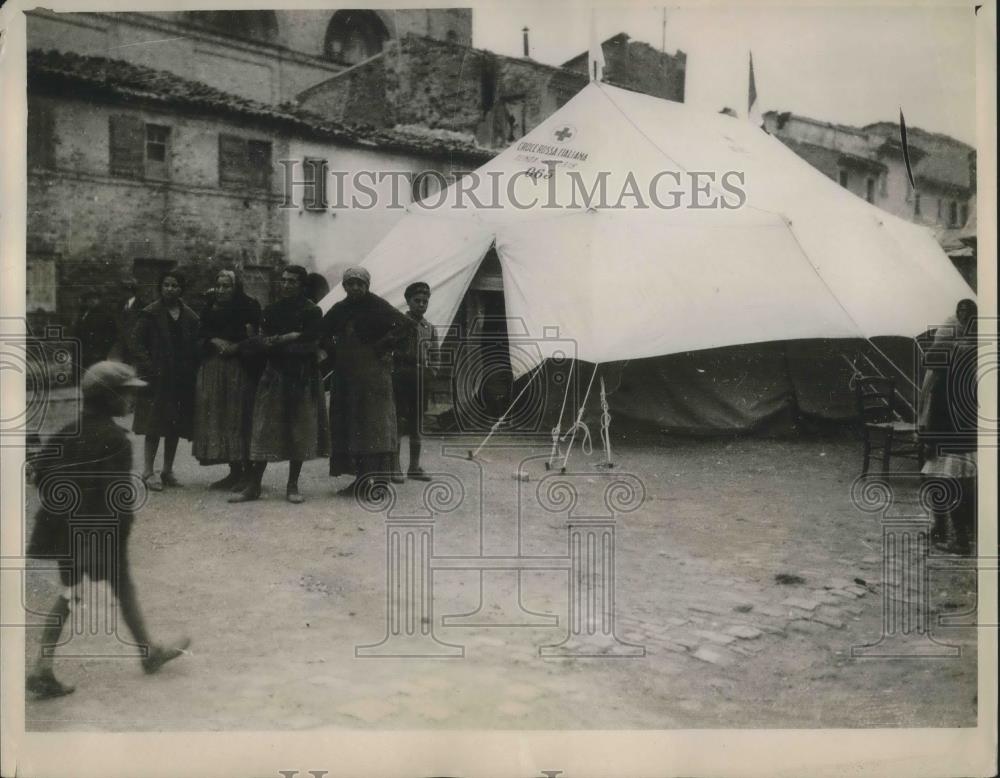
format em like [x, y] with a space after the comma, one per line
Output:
[127, 314]
[96, 330]
[96, 466]
[409, 376]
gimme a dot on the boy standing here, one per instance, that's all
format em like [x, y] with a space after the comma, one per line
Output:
[409, 378]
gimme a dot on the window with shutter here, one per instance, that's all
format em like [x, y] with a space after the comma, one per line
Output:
[315, 174]
[232, 161]
[128, 146]
[41, 135]
[259, 163]
[244, 163]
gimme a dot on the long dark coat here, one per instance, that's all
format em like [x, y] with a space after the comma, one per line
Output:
[362, 407]
[166, 407]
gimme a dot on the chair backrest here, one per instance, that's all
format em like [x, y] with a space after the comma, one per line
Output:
[875, 398]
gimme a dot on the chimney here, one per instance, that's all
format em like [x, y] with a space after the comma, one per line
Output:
[527, 50]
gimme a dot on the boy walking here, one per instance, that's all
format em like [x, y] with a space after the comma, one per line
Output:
[91, 536]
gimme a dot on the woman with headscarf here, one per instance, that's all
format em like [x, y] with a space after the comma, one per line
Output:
[949, 431]
[225, 387]
[289, 412]
[366, 329]
[165, 350]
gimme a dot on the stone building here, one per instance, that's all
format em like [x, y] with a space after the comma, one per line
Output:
[493, 99]
[267, 56]
[638, 66]
[869, 162]
[132, 170]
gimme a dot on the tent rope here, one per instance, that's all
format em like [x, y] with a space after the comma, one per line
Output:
[606, 426]
[557, 430]
[497, 424]
[578, 424]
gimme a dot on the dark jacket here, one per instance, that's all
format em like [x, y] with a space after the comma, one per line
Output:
[166, 406]
[126, 318]
[88, 486]
[97, 331]
[951, 419]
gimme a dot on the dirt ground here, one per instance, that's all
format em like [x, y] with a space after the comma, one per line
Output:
[277, 597]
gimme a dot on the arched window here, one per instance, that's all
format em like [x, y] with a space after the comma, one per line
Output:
[353, 36]
[251, 25]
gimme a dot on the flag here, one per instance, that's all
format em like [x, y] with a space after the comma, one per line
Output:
[753, 109]
[596, 59]
[906, 150]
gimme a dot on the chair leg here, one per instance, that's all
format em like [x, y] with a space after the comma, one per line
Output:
[887, 451]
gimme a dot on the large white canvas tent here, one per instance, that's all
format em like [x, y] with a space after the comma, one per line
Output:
[802, 258]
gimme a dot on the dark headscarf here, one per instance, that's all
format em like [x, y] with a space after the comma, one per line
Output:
[229, 320]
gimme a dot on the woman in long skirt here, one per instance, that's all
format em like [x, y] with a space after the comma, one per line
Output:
[225, 388]
[165, 350]
[366, 329]
[948, 429]
[289, 415]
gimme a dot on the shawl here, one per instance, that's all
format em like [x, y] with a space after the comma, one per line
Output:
[373, 319]
[290, 314]
[229, 320]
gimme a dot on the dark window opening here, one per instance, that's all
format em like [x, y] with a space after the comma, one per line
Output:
[157, 151]
[315, 178]
[244, 163]
[353, 36]
[844, 178]
[870, 190]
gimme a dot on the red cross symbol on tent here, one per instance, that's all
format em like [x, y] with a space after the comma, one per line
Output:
[564, 133]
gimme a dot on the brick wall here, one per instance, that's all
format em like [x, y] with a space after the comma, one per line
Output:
[441, 85]
[271, 71]
[96, 225]
[639, 66]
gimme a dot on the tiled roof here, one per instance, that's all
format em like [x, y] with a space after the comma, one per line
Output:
[127, 81]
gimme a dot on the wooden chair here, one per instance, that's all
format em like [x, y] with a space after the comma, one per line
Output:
[883, 432]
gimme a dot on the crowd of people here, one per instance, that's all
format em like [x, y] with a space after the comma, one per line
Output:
[248, 386]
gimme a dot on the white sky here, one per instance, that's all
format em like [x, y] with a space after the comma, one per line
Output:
[842, 64]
